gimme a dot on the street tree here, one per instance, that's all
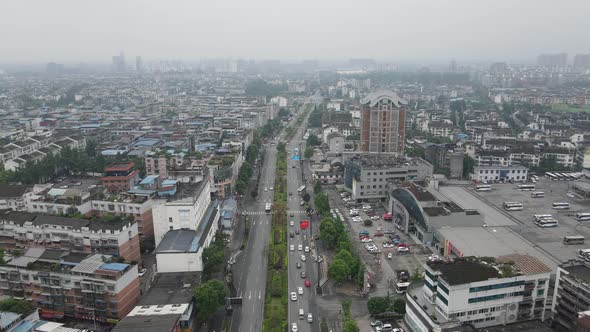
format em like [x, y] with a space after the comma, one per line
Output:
[338, 270]
[209, 297]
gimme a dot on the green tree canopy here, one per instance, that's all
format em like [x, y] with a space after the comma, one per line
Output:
[378, 305]
[213, 256]
[17, 306]
[209, 297]
[338, 270]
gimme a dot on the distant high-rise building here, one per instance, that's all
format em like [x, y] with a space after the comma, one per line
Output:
[138, 64]
[54, 68]
[582, 61]
[383, 123]
[498, 67]
[119, 62]
[552, 60]
[453, 66]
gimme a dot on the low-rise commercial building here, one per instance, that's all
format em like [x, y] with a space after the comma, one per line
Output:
[367, 177]
[481, 292]
[498, 173]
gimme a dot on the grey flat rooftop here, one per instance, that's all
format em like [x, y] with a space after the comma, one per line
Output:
[178, 240]
[156, 323]
[171, 288]
[492, 242]
[579, 270]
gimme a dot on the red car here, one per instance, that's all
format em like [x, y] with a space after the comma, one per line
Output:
[307, 283]
[379, 234]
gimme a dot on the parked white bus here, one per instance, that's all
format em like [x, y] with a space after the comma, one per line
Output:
[537, 217]
[561, 206]
[483, 187]
[549, 222]
[526, 187]
[401, 287]
[512, 206]
[573, 239]
[551, 176]
[537, 194]
[582, 216]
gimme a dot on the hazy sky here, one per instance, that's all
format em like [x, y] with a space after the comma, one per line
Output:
[404, 30]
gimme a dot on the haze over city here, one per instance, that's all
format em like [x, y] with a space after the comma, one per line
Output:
[430, 31]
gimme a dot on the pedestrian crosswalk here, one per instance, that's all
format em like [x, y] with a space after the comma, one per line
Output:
[259, 213]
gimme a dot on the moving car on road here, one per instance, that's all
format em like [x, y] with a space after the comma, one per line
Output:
[293, 296]
[303, 259]
[300, 290]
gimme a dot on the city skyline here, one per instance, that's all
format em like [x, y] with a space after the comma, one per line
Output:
[422, 31]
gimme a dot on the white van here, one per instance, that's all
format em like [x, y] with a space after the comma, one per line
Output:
[301, 314]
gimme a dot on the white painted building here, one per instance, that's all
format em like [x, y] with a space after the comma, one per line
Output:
[487, 173]
[182, 211]
[506, 290]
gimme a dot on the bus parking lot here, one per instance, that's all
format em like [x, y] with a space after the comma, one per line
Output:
[549, 239]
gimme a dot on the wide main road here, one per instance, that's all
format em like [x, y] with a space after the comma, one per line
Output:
[299, 243]
[250, 268]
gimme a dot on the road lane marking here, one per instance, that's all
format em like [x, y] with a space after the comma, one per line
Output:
[260, 294]
[250, 295]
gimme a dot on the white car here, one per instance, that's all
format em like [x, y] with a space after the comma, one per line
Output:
[142, 272]
[309, 318]
[366, 240]
[390, 255]
[375, 218]
[303, 258]
[271, 188]
[434, 258]
[300, 247]
[306, 249]
[292, 223]
[388, 245]
[300, 290]
[294, 327]
[265, 189]
[292, 247]
[403, 249]
[293, 296]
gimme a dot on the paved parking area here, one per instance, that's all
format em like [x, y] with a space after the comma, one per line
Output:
[382, 267]
[548, 239]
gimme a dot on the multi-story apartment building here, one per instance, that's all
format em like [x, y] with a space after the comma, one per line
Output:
[383, 120]
[571, 295]
[65, 285]
[184, 210]
[120, 176]
[480, 292]
[368, 176]
[126, 206]
[24, 229]
[14, 197]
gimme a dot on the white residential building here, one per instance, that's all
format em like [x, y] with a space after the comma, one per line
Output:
[182, 211]
[483, 293]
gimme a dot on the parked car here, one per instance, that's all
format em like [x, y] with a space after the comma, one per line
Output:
[390, 255]
[142, 272]
[379, 234]
[403, 249]
[366, 240]
[376, 323]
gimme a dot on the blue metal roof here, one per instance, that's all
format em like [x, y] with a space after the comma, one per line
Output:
[150, 179]
[168, 182]
[114, 266]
